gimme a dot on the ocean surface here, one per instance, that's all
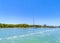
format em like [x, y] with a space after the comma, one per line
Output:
[30, 35]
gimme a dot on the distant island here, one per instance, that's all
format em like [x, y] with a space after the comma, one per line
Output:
[25, 26]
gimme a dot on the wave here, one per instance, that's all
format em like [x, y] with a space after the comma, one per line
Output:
[25, 35]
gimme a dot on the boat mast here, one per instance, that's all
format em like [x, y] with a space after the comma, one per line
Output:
[33, 21]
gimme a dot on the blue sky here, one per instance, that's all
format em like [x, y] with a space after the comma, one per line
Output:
[22, 11]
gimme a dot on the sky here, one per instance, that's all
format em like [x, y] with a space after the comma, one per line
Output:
[23, 11]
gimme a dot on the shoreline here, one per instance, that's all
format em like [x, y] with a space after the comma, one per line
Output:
[26, 26]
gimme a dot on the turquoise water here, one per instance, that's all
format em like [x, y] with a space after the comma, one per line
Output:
[31, 35]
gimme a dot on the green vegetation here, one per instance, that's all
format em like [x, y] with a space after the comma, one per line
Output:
[26, 26]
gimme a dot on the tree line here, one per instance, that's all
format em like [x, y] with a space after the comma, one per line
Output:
[26, 26]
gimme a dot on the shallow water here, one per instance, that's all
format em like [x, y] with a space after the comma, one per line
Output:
[31, 35]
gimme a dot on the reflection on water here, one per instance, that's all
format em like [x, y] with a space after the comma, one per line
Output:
[40, 35]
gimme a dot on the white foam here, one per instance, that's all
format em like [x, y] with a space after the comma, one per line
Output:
[40, 32]
[9, 38]
[0, 38]
[14, 37]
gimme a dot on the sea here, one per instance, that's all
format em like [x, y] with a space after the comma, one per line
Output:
[29, 35]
